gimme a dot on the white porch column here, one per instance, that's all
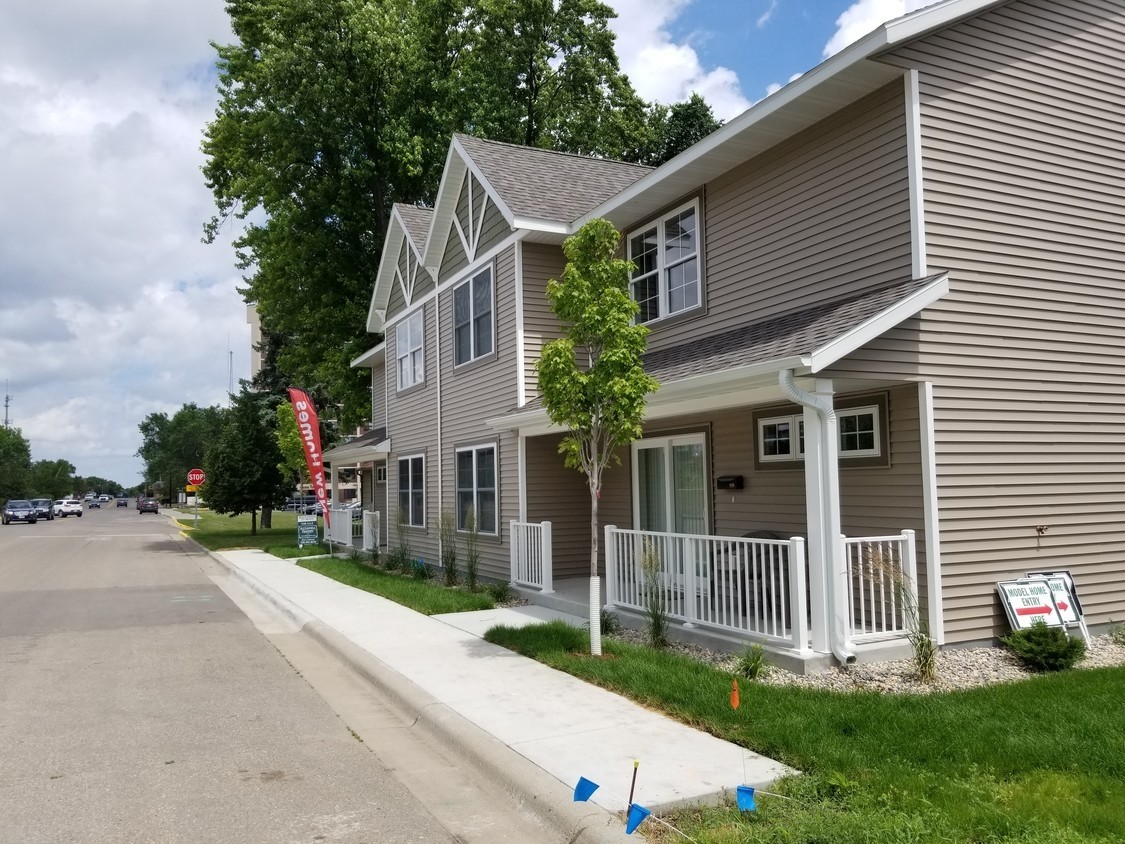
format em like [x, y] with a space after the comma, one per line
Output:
[819, 543]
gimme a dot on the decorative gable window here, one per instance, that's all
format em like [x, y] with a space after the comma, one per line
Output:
[666, 255]
[472, 318]
[409, 350]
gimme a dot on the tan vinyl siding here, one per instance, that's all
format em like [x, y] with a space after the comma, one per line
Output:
[493, 230]
[560, 496]
[475, 392]
[378, 395]
[410, 423]
[1023, 150]
[541, 262]
[454, 257]
[824, 215]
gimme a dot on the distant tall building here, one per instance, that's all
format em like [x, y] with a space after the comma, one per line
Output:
[255, 323]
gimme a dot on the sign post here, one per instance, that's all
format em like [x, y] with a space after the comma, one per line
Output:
[196, 478]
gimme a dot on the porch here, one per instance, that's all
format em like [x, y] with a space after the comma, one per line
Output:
[726, 592]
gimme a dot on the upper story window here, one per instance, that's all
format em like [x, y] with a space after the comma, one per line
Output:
[472, 318]
[666, 255]
[409, 350]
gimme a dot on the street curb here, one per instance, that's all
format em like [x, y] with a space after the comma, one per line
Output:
[531, 788]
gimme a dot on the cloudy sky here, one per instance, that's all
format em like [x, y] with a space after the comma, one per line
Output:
[110, 306]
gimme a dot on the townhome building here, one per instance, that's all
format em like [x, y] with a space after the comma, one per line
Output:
[886, 309]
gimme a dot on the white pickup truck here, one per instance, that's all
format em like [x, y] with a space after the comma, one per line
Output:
[67, 507]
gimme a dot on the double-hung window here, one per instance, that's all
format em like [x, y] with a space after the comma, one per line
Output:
[472, 318]
[412, 490]
[665, 253]
[410, 351]
[476, 488]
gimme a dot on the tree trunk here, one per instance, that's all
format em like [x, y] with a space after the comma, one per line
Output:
[595, 583]
[267, 518]
[253, 522]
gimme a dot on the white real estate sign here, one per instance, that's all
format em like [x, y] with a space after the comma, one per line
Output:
[1029, 600]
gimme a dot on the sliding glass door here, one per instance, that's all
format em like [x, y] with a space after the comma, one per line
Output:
[670, 484]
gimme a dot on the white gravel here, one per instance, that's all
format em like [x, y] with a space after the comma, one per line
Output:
[957, 668]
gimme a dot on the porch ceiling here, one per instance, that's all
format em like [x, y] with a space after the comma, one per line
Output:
[366, 447]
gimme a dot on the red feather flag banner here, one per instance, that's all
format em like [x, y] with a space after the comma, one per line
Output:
[734, 701]
[308, 426]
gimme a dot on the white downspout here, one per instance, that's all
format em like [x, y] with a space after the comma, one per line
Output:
[828, 482]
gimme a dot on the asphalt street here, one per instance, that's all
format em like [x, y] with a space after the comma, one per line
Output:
[140, 703]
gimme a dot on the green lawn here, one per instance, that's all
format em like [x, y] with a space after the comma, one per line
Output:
[224, 533]
[1035, 762]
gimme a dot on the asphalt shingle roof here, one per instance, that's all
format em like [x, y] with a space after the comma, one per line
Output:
[417, 222]
[786, 336]
[547, 185]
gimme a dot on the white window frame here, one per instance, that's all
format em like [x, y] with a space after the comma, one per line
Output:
[476, 488]
[410, 491]
[381, 473]
[410, 359]
[663, 268]
[475, 352]
[797, 424]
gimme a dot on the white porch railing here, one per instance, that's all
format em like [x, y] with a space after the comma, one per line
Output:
[531, 562]
[883, 587]
[371, 530]
[756, 587]
[346, 526]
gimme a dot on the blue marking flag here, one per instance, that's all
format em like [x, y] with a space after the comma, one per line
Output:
[584, 790]
[745, 794]
[637, 814]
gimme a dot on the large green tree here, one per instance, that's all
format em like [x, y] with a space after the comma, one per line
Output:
[52, 478]
[677, 127]
[173, 445]
[332, 110]
[15, 464]
[242, 465]
[592, 379]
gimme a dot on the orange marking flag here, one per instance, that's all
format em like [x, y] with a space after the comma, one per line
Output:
[734, 693]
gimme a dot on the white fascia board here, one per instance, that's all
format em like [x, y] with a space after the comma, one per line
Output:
[547, 226]
[879, 324]
[444, 206]
[714, 391]
[384, 275]
[372, 356]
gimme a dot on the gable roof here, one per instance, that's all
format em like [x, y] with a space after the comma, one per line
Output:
[723, 366]
[536, 190]
[410, 223]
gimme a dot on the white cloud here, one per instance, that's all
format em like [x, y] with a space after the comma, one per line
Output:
[666, 71]
[765, 17]
[113, 309]
[861, 18]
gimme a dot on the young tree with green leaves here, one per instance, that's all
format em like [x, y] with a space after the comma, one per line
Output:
[293, 464]
[242, 466]
[592, 380]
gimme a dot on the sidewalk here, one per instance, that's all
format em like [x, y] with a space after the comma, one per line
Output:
[491, 702]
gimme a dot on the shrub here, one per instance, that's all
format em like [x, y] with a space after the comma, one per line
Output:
[418, 569]
[1045, 648]
[1117, 633]
[610, 623]
[655, 608]
[752, 662]
[448, 549]
[472, 550]
[401, 558]
[500, 592]
[881, 566]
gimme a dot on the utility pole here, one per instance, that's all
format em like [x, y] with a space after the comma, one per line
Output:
[7, 400]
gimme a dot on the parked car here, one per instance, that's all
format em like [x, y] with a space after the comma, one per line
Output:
[68, 507]
[148, 505]
[122, 501]
[44, 508]
[19, 510]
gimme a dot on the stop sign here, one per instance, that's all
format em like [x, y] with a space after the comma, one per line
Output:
[196, 477]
